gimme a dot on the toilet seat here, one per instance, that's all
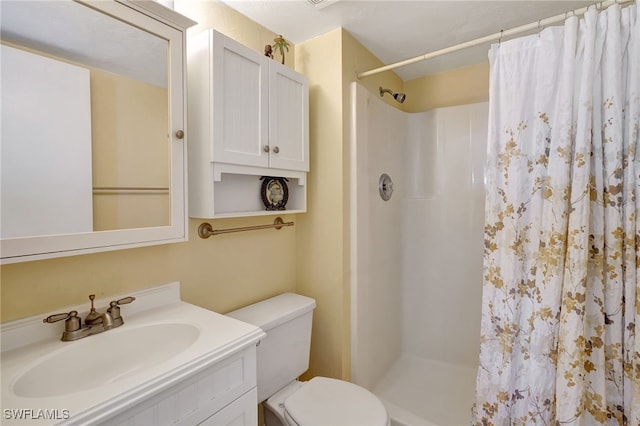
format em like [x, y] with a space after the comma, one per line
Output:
[325, 401]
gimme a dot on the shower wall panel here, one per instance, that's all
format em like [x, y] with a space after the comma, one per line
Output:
[376, 240]
[416, 273]
[443, 220]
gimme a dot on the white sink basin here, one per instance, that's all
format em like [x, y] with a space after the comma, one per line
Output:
[163, 343]
[104, 358]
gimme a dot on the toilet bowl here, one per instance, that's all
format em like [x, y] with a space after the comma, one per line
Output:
[283, 355]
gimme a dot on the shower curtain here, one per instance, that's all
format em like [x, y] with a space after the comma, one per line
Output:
[561, 308]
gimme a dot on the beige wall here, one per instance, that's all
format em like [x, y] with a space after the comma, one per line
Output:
[456, 87]
[228, 271]
[319, 237]
[221, 273]
[217, 15]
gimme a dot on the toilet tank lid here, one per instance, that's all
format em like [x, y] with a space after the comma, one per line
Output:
[274, 311]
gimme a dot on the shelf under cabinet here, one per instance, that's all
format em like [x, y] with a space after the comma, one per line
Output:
[238, 194]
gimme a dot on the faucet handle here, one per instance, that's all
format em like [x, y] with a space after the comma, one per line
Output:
[72, 321]
[114, 309]
[59, 317]
[124, 300]
[113, 305]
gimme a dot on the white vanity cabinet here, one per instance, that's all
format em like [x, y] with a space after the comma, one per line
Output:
[248, 117]
[223, 394]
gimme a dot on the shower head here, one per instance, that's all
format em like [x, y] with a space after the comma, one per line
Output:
[399, 97]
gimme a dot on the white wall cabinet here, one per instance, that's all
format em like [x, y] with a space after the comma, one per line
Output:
[134, 43]
[248, 118]
[288, 119]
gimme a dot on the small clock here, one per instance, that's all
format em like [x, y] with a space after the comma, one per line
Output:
[274, 192]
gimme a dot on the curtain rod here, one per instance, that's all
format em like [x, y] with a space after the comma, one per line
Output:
[493, 37]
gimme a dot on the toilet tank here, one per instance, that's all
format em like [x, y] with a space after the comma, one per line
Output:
[283, 355]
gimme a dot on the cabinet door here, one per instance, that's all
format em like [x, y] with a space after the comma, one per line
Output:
[240, 104]
[289, 119]
[106, 38]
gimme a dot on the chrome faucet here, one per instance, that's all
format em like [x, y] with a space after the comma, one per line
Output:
[94, 322]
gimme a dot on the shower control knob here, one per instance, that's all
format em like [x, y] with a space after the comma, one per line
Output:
[276, 149]
[385, 187]
[265, 148]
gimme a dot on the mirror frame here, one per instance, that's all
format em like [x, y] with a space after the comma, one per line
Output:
[169, 25]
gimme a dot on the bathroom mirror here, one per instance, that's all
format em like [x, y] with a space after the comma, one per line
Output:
[92, 143]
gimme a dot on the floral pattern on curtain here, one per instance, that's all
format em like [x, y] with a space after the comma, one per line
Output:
[561, 304]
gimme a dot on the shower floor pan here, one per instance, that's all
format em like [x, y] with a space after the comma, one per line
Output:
[423, 392]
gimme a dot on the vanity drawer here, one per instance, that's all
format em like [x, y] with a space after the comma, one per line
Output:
[242, 411]
[198, 397]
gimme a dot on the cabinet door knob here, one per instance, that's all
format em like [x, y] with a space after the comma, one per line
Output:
[179, 134]
[276, 149]
[266, 148]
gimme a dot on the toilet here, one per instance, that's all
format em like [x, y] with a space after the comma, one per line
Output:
[283, 355]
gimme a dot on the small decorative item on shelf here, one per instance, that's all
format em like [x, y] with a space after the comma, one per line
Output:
[268, 51]
[274, 192]
[279, 45]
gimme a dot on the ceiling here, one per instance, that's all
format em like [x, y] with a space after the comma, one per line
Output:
[402, 29]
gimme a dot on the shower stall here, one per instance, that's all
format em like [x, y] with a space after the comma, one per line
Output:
[417, 257]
